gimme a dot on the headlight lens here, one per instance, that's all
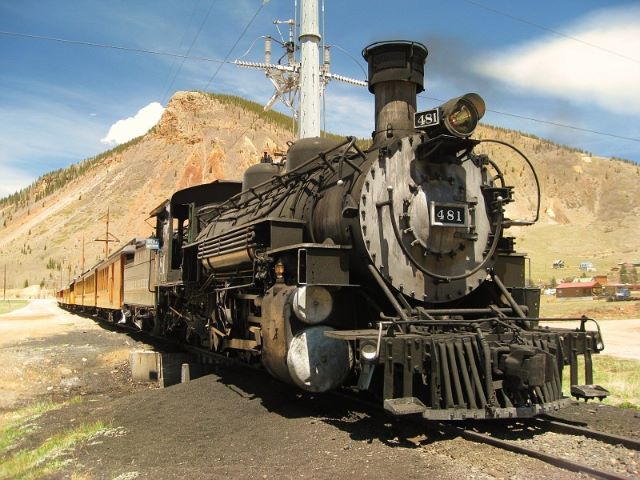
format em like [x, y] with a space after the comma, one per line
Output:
[462, 119]
[462, 114]
[368, 351]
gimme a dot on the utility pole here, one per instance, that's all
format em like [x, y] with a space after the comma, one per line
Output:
[82, 264]
[109, 237]
[4, 285]
[309, 70]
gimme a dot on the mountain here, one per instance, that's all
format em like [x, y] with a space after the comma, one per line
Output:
[590, 205]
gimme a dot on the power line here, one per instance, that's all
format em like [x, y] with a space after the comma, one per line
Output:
[104, 45]
[549, 122]
[183, 38]
[221, 62]
[193, 42]
[551, 30]
[226, 58]
[347, 53]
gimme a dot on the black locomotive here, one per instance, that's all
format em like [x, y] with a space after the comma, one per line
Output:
[385, 270]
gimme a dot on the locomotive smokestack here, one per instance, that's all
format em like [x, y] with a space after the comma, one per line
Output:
[396, 76]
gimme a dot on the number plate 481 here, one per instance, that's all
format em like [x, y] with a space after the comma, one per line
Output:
[448, 215]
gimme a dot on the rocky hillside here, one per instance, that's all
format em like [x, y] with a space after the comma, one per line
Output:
[590, 208]
[200, 138]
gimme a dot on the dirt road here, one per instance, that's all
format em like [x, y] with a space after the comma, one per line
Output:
[39, 318]
[47, 353]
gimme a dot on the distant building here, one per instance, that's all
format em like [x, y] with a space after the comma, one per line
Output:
[582, 280]
[624, 272]
[616, 290]
[602, 279]
[587, 267]
[578, 289]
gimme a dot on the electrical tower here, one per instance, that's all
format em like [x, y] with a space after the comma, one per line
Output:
[306, 79]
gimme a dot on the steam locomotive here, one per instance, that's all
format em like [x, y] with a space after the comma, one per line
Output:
[384, 270]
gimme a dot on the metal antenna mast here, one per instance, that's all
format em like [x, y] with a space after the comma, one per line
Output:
[307, 78]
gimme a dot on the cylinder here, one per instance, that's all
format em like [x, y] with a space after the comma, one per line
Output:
[396, 76]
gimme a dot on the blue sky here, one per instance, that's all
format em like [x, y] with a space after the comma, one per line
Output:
[574, 62]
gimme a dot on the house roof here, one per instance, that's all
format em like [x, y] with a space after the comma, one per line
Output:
[591, 284]
[583, 280]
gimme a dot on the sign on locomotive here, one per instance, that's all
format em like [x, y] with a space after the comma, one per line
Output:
[386, 270]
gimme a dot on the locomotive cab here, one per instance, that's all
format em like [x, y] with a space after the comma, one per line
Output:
[177, 226]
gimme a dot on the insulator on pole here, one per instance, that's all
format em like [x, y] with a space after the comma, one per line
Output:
[327, 57]
[267, 50]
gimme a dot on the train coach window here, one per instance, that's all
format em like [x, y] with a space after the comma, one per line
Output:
[128, 258]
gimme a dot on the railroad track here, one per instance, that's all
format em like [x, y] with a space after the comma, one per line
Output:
[479, 432]
[543, 425]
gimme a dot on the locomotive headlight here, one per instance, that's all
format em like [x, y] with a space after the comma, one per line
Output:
[461, 115]
[458, 117]
[368, 351]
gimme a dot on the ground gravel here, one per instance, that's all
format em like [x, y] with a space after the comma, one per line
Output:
[600, 455]
[240, 423]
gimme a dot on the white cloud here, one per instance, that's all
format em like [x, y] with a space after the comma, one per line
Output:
[124, 130]
[349, 111]
[569, 69]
